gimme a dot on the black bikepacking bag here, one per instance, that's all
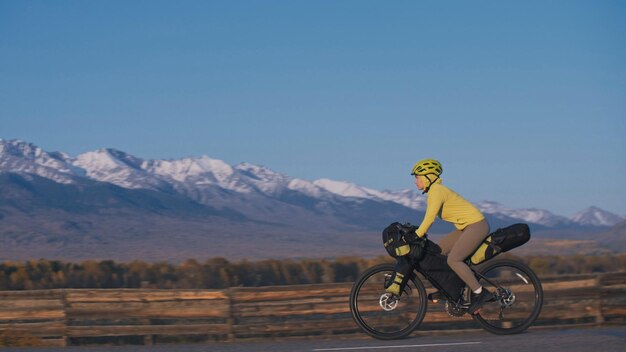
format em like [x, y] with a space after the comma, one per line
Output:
[434, 266]
[394, 241]
[500, 241]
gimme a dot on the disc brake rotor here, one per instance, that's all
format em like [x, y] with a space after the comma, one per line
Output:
[507, 297]
[388, 302]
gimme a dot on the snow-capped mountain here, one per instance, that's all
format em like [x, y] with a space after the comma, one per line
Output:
[110, 204]
[23, 157]
[265, 180]
[116, 167]
[594, 216]
[407, 198]
[532, 215]
[213, 182]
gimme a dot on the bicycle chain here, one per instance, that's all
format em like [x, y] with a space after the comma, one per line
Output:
[464, 315]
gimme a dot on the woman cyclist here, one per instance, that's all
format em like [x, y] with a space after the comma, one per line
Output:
[471, 226]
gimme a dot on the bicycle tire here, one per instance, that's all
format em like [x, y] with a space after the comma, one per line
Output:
[363, 305]
[524, 274]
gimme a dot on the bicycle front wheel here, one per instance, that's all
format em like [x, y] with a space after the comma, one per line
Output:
[377, 313]
[518, 297]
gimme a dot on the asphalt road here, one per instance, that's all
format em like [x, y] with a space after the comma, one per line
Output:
[598, 339]
[572, 340]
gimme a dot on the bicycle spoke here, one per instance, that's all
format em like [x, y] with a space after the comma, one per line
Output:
[518, 298]
[378, 314]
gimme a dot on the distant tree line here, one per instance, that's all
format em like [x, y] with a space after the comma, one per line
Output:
[190, 274]
[219, 273]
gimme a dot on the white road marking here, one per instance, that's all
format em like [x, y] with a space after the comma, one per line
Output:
[398, 346]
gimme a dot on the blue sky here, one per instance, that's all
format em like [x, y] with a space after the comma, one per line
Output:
[522, 102]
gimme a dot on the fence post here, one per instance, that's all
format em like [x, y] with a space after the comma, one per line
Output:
[65, 320]
[598, 285]
[231, 314]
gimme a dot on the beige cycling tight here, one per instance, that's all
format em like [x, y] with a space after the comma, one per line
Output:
[460, 244]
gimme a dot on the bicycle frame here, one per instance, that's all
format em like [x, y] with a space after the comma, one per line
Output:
[493, 318]
[461, 301]
[436, 285]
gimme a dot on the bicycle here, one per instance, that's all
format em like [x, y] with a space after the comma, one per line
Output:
[517, 302]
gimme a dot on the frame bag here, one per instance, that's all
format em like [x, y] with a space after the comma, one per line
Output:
[434, 266]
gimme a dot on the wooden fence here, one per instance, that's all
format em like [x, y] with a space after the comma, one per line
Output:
[72, 316]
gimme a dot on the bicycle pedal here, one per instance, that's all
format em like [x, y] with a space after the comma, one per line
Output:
[436, 297]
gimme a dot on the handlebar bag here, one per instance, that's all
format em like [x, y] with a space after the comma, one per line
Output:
[394, 242]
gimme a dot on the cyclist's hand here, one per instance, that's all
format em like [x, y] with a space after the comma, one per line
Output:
[408, 232]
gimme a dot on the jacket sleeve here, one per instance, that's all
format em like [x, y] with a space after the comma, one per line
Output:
[433, 205]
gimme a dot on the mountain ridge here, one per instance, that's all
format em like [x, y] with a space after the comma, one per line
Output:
[110, 204]
[127, 171]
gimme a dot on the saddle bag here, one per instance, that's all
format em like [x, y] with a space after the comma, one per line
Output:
[500, 241]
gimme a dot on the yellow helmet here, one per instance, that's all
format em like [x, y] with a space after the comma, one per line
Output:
[427, 167]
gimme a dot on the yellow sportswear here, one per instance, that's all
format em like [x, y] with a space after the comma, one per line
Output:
[450, 207]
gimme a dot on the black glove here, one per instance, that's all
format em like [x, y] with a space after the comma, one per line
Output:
[408, 232]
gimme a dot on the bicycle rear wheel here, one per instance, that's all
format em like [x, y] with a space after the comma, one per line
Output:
[519, 297]
[374, 310]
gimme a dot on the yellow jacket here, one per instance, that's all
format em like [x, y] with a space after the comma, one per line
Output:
[450, 207]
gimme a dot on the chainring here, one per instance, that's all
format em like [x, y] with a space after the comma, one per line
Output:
[455, 311]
